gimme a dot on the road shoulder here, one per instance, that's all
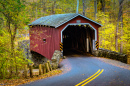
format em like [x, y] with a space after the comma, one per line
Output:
[114, 62]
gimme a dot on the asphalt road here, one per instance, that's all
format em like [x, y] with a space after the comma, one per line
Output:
[90, 70]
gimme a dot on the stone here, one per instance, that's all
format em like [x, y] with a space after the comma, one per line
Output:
[38, 59]
[64, 57]
[96, 53]
[100, 53]
[111, 54]
[25, 45]
[55, 59]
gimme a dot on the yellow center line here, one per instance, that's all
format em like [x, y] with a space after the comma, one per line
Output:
[88, 78]
[92, 78]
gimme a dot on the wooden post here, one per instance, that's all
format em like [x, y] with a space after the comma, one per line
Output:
[95, 8]
[43, 69]
[25, 71]
[93, 40]
[31, 71]
[90, 43]
[49, 65]
[40, 71]
[87, 41]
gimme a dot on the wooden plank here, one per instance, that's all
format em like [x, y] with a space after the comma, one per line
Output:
[90, 42]
[87, 40]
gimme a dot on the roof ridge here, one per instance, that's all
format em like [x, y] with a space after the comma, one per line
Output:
[57, 20]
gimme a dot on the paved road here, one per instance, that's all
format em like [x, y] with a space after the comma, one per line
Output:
[78, 69]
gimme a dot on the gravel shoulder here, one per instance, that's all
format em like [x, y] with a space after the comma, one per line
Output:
[114, 62]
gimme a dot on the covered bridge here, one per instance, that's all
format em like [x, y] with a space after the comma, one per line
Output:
[74, 30]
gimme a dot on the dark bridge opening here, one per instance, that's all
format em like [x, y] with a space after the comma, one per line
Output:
[77, 40]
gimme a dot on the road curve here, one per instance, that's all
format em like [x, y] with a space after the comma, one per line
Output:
[79, 69]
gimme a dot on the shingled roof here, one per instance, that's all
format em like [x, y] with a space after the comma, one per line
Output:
[58, 19]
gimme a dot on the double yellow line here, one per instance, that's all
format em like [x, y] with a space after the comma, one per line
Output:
[86, 81]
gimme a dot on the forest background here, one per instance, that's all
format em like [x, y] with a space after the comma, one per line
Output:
[15, 15]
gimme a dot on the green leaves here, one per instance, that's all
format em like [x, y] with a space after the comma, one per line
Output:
[7, 62]
[11, 9]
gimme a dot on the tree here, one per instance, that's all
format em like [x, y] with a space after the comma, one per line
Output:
[102, 5]
[83, 7]
[11, 9]
[95, 8]
[106, 32]
[117, 26]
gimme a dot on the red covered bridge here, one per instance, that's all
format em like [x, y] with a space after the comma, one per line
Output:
[75, 31]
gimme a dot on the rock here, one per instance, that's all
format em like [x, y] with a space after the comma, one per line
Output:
[100, 53]
[38, 59]
[55, 59]
[111, 54]
[96, 53]
[25, 45]
[64, 57]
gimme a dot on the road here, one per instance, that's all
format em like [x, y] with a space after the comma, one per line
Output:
[90, 71]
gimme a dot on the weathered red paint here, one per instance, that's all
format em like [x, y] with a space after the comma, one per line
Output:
[37, 34]
[52, 36]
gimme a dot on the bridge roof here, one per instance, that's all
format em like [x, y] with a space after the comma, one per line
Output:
[58, 19]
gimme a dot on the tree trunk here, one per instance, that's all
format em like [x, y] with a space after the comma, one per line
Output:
[36, 11]
[41, 1]
[15, 30]
[121, 45]
[103, 5]
[116, 36]
[83, 8]
[95, 8]
[9, 30]
[53, 7]
[12, 48]
[44, 6]
[77, 11]
[117, 27]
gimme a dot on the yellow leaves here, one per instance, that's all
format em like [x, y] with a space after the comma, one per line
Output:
[106, 32]
[36, 45]
[99, 5]
[58, 11]
[15, 82]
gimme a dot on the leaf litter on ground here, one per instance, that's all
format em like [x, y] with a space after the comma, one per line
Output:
[15, 82]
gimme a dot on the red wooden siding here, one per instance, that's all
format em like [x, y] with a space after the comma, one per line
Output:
[51, 35]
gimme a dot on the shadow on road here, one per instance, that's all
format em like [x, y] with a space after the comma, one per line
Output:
[75, 53]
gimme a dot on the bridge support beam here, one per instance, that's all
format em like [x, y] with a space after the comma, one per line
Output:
[87, 41]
